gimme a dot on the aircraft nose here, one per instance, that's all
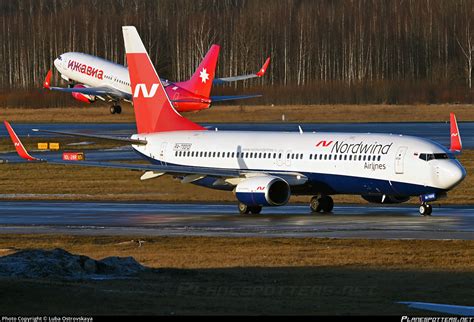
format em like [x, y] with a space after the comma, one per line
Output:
[56, 63]
[451, 174]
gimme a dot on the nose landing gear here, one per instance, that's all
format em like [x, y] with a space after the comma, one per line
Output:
[425, 209]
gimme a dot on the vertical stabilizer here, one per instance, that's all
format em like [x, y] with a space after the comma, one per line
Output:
[153, 110]
[201, 81]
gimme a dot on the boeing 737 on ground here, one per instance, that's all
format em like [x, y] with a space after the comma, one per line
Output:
[91, 78]
[266, 168]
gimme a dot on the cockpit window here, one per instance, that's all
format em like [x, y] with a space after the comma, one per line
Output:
[433, 156]
[60, 58]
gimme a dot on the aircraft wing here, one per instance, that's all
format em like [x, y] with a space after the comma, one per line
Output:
[260, 73]
[190, 173]
[232, 97]
[101, 137]
[96, 91]
[102, 91]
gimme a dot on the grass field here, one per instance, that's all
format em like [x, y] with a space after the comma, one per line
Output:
[249, 276]
[259, 114]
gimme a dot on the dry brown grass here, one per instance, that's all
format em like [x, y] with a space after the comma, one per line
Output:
[224, 252]
[204, 275]
[293, 113]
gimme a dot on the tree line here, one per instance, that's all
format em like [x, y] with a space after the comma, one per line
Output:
[325, 51]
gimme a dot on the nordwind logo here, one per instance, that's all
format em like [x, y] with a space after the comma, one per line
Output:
[144, 90]
[324, 143]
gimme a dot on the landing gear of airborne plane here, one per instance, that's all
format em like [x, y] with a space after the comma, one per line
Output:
[245, 209]
[323, 203]
[115, 109]
[425, 209]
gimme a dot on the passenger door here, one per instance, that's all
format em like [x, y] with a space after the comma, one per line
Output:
[399, 159]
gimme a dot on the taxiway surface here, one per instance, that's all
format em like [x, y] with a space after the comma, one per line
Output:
[152, 219]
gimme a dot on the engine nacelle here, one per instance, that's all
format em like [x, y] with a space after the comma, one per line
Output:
[385, 200]
[83, 97]
[263, 191]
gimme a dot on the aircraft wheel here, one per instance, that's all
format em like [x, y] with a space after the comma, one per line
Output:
[425, 210]
[112, 109]
[244, 209]
[255, 210]
[118, 109]
[314, 205]
[326, 203]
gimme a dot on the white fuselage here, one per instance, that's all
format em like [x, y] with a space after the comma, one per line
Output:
[347, 162]
[93, 71]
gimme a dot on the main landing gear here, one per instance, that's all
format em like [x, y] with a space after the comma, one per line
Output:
[115, 109]
[323, 203]
[425, 209]
[245, 209]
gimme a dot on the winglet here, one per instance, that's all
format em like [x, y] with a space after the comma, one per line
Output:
[456, 143]
[20, 149]
[262, 70]
[47, 80]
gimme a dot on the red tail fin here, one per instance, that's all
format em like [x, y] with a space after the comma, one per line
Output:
[201, 81]
[153, 110]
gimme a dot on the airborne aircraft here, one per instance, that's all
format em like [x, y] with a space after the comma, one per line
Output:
[91, 78]
[266, 168]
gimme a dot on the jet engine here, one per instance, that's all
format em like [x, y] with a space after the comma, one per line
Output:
[83, 97]
[263, 191]
[385, 199]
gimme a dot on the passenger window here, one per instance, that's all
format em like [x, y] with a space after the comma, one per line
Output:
[260, 155]
[310, 156]
[364, 157]
[301, 156]
[213, 154]
[378, 159]
[325, 157]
